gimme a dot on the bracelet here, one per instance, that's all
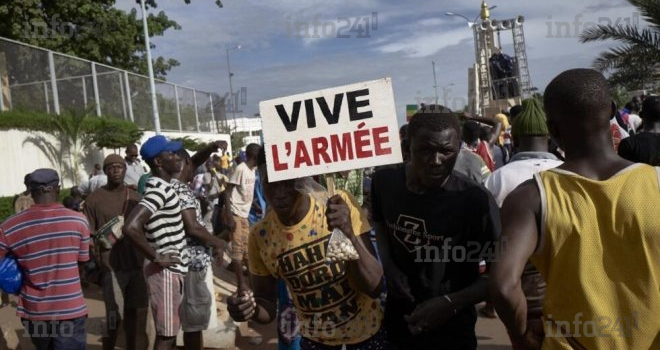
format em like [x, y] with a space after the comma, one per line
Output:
[451, 302]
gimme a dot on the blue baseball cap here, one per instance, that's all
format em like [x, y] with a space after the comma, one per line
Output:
[156, 145]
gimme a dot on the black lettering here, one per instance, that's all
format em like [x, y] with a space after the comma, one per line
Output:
[353, 105]
[345, 286]
[294, 281]
[285, 264]
[320, 274]
[309, 301]
[315, 254]
[309, 109]
[299, 260]
[306, 279]
[330, 317]
[349, 308]
[291, 124]
[337, 268]
[331, 295]
[331, 117]
[315, 277]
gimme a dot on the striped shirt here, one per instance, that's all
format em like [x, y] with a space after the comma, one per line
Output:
[164, 230]
[200, 255]
[48, 241]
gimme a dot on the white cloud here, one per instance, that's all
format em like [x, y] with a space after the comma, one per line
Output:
[409, 36]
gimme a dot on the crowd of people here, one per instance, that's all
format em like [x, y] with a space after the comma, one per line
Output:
[544, 211]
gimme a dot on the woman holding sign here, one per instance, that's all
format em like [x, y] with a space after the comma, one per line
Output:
[334, 300]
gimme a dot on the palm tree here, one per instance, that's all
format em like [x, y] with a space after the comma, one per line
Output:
[632, 64]
[69, 129]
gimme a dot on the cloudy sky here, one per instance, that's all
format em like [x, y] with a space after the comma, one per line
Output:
[273, 61]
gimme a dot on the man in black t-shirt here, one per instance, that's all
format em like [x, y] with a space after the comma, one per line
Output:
[433, 226]
[644, 147]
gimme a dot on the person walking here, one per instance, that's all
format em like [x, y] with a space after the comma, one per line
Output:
[49, 241]
[425, 214]
[590, 227]
[124, 287]
[156, 227]
[239, 194]
[335, 301]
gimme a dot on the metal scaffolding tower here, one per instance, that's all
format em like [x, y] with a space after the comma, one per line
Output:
[492, 95]
[524, 81]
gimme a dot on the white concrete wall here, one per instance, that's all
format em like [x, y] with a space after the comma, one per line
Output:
[22, 156]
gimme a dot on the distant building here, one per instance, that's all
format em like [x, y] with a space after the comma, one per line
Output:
[244, 124]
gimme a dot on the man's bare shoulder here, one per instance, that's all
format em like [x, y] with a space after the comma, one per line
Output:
[524, 197]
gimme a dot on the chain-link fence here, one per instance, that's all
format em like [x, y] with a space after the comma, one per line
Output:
[39, 80]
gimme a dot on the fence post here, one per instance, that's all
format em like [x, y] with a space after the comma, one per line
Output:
[196, 112]
[95, 82]
[84, 85]
[123, 96]
[47, 100]
[217, 127]
[53, 82]
[128, 94]
[178, 109]
[2, 90]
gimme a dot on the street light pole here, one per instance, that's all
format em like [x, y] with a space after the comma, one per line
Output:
[470, 23]
[435, 83]
[150, 68]
[444, 92]
[485, 15]
[231, 87]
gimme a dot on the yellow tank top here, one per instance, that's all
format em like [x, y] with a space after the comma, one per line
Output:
[600, 256]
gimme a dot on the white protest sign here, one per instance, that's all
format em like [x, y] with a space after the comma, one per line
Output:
[336, 129]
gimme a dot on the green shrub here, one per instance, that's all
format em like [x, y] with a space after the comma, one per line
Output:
[7, 207]
[25, 121]
[103, 132]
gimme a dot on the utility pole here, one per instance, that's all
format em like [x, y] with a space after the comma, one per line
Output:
[435, 83]
[152, 84]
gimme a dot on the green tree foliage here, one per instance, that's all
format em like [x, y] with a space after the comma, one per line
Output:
[630, 65]
[90, 29]
[191, 144]
[112, 133]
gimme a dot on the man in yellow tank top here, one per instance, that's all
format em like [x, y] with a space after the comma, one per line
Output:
[590, 227]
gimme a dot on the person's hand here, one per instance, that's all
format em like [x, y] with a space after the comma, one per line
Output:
[430, 315]
[103, 260]
[398, 287]
[228, 220]
[168, 259]
[339, 216]
[218, 254]
[242, 306]
[220, 145]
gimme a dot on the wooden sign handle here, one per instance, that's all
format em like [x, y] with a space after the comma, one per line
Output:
[330, 182]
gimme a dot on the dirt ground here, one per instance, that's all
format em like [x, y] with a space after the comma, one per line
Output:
[491, 333]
